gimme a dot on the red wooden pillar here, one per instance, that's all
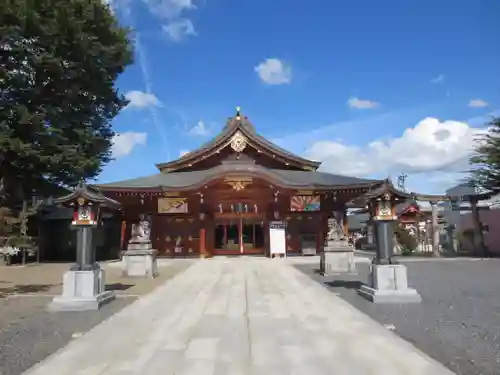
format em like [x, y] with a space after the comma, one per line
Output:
[240, 234]
[123, 232]
[203, 247]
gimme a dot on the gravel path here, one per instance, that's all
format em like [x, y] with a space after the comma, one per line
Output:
[29, 333]
[27, 341]
[458, 322]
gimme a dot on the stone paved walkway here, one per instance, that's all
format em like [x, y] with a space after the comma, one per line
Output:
[239, 316]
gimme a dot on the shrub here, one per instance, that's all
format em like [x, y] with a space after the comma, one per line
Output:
[407, 242]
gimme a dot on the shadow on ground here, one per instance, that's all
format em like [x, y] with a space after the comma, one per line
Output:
[347, 284]
[118, 286]
[25, 289]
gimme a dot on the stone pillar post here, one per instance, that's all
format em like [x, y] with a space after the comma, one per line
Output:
[479, 248]
[85, 255]
[384, 237]
[345, 226]
[435, 230]
[388, 281]
[370, 233]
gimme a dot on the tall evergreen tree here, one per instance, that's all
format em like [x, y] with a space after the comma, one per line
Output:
[59, 61]
[486, 159]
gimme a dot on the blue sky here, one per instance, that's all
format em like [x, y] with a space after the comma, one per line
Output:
[370, 88]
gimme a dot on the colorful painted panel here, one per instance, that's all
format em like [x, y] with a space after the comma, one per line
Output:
[172, 206]
[299, 203]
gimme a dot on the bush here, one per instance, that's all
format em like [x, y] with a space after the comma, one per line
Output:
[407, 242]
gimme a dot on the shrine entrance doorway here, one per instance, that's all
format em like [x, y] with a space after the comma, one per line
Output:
[239, 234]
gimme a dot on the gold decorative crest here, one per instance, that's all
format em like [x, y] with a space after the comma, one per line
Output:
[81, 201]
[238, 142]
[238, 183]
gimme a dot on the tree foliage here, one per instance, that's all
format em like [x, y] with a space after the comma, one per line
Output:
[486, 159]
[59, 61]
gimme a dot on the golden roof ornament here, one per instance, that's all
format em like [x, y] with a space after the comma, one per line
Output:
[238, 142]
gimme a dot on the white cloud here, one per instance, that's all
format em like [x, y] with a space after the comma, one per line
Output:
[183, 152]
[178, 30]
[438, 79]
[274, 72]
[124, 143]
[139, 99]
[200, 129]
[431, 145]
[170, 9]
[174, 13]
[354, 102]
[478, 103]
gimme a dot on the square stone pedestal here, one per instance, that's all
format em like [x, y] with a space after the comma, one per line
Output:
[82, 290]
[337, 258]
[389, 285]
[140, 263]
[337, 262]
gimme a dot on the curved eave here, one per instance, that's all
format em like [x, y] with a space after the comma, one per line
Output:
[103, 201]
[221, 141]
[254, 172]
[127, 189]
[196, 187]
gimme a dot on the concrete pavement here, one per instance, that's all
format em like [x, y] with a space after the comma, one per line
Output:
[239, 316]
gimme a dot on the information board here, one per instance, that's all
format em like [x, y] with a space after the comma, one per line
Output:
[277, 238]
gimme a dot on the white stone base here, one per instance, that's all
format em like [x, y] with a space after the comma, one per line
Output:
[390, 285]
[82, 290]
[337, 262]
[140, 263]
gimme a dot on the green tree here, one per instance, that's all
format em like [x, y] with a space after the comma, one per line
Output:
[486, 159]
[59, 61]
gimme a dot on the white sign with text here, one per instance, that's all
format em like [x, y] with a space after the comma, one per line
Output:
[277, 238]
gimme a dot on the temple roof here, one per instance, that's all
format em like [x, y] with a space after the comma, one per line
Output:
[237, 125]
[193, 179]
[90, 194]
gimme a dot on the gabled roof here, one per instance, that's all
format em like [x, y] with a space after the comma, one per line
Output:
[238, 125]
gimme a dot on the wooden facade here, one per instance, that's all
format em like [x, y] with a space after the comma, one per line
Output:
[220, 199]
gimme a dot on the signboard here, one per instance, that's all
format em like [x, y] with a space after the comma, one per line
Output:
[172, 206]
[277, 238]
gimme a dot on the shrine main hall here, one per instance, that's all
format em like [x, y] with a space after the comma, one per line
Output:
[221, 198]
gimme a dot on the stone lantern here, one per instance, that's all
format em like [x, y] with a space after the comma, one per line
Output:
[388, 280]
[84, 283]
